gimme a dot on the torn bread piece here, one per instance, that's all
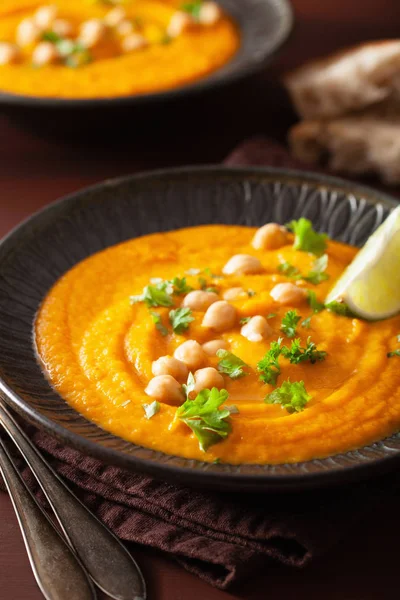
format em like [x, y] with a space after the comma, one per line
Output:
[363, 143]
[346, 81]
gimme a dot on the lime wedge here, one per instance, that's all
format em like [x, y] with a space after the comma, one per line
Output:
[370, 286]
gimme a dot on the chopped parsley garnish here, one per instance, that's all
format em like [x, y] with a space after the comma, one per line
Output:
[206, 418]
[268, 367]
[180, 286]
[306, 239]
[289, 270]
[394, 353]
[315, 305]
[205, 287]
[180, 319]
[289, 323]
[291, 396]
[251, 293]
[306, 323]
[296, 354]
[74, 54]
[51, 36]
[271, 315]
[158, 322]
[151, 409]
[193, 8]
[155, 295]
[318, 274]
[189, 386]
[340, 308]
[244, 320]
[230, 364]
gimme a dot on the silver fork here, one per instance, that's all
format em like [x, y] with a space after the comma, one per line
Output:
[102, 555]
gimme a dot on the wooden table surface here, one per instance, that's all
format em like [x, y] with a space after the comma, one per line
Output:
[35, 170]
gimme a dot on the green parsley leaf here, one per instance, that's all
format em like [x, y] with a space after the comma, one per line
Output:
[271, 315]
[151, 409]
[230, 364]
[306, 323]
[205, 417]
[251, 293]
[192, 8]
[289, 270]
[158, 322]
[289, 323]
[398, 337]
[207, 271]
[318, 275]
[305, 238]
[244, 320]
[180, 286]
[296, 354]
[51, 36]
[393, 353]
[189, 386]
[292, 396]
[340, 308]
[155, 295]
[315, 305]
[204, 286]
[180, 319]
[268, 366]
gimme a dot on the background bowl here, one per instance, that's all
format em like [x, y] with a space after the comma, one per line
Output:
[39, 251]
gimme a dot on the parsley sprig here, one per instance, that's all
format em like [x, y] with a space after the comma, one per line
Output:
[230, 364]
[158, 323]
[180, 319]
[160, 292]
[297, 354]
[305, 238]
[192, 8]
[293, 397]
[268, 367]
[289, 323]
[315, 276]
[209, 422]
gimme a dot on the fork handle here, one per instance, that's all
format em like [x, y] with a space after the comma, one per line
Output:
[58, 573]
[104, 557]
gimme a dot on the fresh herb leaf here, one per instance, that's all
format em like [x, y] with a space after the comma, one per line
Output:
[158, 322]
[291, 396]
[289, 270]
[398, 337]
[180, 286]
[268, 366]
[205, 287]
[205, 417]
[318, 274]
[207, 271]
[289, 323]
[296, 354]
[306, 323]
[251, 293]
[244, 320]
[192, 8]
[51, 36]
[393, 353]
[180, 319]
[305, 238]
[271, 315]
[233, 409]
[151, 409]
[155, 295]
[340, 308]
[315, 305]
[189, 386]
[230, 364]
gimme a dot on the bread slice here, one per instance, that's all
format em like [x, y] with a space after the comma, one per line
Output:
[346, 81]
[368, 142]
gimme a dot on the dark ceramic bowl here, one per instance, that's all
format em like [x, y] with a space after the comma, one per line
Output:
[40, 250]
[264, 25]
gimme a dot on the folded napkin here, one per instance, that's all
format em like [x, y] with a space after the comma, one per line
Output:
[221, 537]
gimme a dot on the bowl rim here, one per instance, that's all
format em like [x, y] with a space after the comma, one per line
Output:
[212, 475]
[209, 82]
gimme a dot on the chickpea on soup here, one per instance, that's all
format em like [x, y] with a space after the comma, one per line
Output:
[214, 343]
[94, 49]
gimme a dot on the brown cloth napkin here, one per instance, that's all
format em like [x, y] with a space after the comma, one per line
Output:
[221, 537]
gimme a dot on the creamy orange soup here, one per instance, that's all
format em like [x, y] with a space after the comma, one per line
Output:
[97, 349]
[115, 67]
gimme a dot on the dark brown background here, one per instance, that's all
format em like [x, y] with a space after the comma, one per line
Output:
[35, 170]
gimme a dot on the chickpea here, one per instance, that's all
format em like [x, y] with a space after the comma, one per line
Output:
[45, 15]
[210, 13]
[211, 347]
[165, 389]
[199, 300]
[45, 53]
[124, 28]
[27, 32]
[269, 237]
[207, 378]
[240, 264]
[192, 354]
[220, 316]
[168, 365]
[92, 32]
[9, 53]
[132, 42]
[115, 16]
[233, 293]
[62, 28]
[288, 293]
[178, 23]
[257, 329]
